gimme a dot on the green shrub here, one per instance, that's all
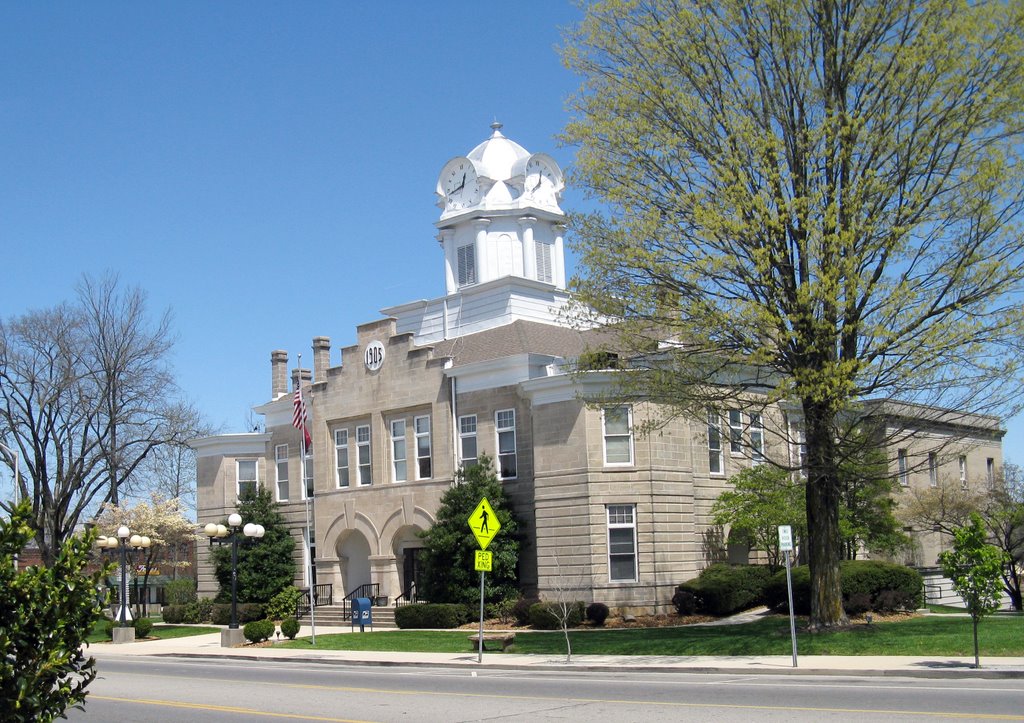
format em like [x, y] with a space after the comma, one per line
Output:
[247, 612]
[143, 627]
[200, 611]
[597, 613]
[256, 631]
[547, 615]
[504, 611]
[174, 614]
[290, 628]
[521, 609]
[432, 616]
[723, 589]
[866, 585]
[180, 592]
[284, 604]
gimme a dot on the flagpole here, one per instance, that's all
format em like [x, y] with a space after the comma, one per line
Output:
[307, 495]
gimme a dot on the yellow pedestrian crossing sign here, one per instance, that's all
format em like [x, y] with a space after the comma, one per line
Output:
[483, 561]
[484, 523]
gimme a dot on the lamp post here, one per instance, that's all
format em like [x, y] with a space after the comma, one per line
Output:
[222, 535]
[124, 539]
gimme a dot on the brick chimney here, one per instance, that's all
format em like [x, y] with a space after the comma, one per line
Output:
[278, 373]
[301, 377]
[321, 357]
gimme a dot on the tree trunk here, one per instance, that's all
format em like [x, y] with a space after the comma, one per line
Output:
[823, 498]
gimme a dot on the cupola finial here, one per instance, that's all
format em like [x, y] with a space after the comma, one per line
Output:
[496, 126]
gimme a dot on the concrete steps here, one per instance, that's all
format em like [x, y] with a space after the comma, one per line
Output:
[335, 616]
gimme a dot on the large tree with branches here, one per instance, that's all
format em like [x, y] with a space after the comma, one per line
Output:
[818, 201]
[86, 396]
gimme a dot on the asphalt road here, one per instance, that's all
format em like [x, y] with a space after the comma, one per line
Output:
[167, 689]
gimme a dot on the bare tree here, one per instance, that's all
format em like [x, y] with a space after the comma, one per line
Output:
[86, 395]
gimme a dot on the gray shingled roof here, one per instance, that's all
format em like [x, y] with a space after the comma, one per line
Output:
[519, 337]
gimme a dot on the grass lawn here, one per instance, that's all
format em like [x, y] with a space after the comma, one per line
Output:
[928, 635]
[163, 632]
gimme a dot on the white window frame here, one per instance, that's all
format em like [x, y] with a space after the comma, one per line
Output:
[735, 432]
[307, 478]
[281, 472]
[364, 450]
[255, 481]
[341, 471]
[933, 469]
[963, 471]
[399, 455]
[503, 430]
[467, 431]
[616, 434]
[716, 461]
[622, 517]
[901, 468]
[756, 438]
[424, 462]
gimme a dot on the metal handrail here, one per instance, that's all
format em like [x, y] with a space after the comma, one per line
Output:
[406, 599]
[323, 594]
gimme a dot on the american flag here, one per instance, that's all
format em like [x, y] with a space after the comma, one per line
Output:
[299, 419]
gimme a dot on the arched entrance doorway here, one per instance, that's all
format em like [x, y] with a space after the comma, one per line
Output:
[406, 547]
[354, 559]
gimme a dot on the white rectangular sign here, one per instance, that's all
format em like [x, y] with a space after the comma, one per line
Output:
[785, 538]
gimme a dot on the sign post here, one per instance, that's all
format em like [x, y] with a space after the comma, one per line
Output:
[786, 546]
[484, 524]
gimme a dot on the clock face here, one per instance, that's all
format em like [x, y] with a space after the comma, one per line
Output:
[460, 185]
[540, 181]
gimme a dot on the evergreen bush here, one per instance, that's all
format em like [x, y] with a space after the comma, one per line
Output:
[597, 613]
[722, 589]
[256, 631]
[290, 628]
[284, 604]
[200, 611]
[547, 615]
[143, 627]
[180, 592]
[174, 614]
[247, 612]
[521, 610]
[866, 585]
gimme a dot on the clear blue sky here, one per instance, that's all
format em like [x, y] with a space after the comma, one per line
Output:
[264, 170]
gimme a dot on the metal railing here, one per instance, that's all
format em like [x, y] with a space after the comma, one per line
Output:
[406, 598]
[323, 594]
[370, 590]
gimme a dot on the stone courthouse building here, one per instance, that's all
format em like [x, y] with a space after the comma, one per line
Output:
[486, 369]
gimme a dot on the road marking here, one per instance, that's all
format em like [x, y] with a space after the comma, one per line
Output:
[220, 709]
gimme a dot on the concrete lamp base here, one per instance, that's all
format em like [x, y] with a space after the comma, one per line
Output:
[124, 635]
[231, 638]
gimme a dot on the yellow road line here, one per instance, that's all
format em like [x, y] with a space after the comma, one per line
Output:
[220, 709]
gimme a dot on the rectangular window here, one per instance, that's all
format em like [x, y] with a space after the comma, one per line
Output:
[735, 431]
[714, 443]
[505, 427]
[756, 439]
[421, 427]
[398, 467]
[247, 479]
[307, 470]
[990, 472]
[341, 456]
[467, 440]
[281, 469]
[618, 435]
[543, 261]
[622, 543]
[963, 472]
[467, 264]
[933, 469]
[363, 455]
[901, 464]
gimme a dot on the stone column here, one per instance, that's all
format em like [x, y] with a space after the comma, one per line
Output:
[529, 252]
[483, 256]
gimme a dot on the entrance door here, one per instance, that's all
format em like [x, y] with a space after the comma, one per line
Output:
[410, 570]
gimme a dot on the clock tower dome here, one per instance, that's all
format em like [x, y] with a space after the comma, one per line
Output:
[501, 230]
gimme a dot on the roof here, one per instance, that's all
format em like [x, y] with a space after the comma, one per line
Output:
[519, 337]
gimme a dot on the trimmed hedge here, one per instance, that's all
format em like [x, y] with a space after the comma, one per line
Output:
[284, 604]
[432, 616]
[722, 589]
[247, 613]
[143, 627]
[521, 610]
[174, 614]
[547, 615]
[866, 585]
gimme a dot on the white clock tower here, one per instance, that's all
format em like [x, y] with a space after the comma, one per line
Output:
[501, 229]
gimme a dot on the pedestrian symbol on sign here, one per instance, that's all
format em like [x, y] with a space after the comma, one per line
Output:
[484, 523]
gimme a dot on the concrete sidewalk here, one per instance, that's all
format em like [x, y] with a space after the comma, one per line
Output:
[208, 646]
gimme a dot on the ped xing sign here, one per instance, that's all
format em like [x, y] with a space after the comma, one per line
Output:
[483, 561]
[484, 523]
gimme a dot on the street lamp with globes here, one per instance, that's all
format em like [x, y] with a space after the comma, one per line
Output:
[222, 535]
[124, 539]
